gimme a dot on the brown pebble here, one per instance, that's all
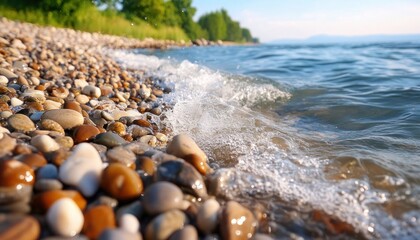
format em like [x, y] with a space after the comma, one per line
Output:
[47, 124]
[237, 222]
[33, 160]
[13, 173]
[43, 201]
[121, 182]
[16, 227]
[72, 105]
[21, 123]
[97, 219]
[142, 123]
[146, 164]
[84, 133]
[117, 127]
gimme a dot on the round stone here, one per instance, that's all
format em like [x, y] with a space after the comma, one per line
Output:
[16, 102]
[121, 155]
[45, 143]
[121, 182]
[21, 123]
[45, 185]
[129, 223]
[97, 219]
[207, 216]
[187, 233]
[17, 227]
[237, 222]
[109, 139]
[92, 91]
[72, 105]
[65, 218]
[48, 124]
[7, 144]
[117, 127]
[67, 118]
[84, 133]
[49, 171]
[13, 173]
[117, 234]
[43, 201]
[82, 169]
[161, 197]
[147, 165]
[165, 224]
[33, 160]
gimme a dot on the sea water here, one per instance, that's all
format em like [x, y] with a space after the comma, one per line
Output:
[329, 127]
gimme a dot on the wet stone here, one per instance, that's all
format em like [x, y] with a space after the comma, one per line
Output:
[13, 173]
[67, 118]
[161, 197]
[21, 123]
[207, 216]
[43, 201]
[109, 139]
[97, 219]
[184, 175]
[165, 224]
[84, 133]
[121, 155]
[34, 160]
[49, 171]
[237, 222]
[45, 143]
[48, 124]
[187, 233]
[121, 182]
[65, 218]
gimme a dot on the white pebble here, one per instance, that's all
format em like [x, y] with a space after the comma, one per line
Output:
[65, 218]
[207, 216]
[16, 102]
[129, 223]
[45, 143]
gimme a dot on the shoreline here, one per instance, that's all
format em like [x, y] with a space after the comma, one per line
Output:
[83, 151]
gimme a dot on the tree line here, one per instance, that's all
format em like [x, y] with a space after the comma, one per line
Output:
[158, 13]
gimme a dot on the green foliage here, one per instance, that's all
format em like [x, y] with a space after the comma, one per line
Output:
[169, 19]
[220, 26]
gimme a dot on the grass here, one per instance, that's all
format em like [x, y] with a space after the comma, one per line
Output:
[92, 20]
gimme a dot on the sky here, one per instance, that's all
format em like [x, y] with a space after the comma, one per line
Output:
[299, 19]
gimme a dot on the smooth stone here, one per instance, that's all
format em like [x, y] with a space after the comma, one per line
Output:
[82, 169]
[237, 222]
[84, 133]
[121, 155]
[183, 175]
[105, 115]
[161, 197]
[165, 224]
[185, 147]
[117, 127]
[64, 141]
[129, 223]
[91, 91]
[16, 102]
[7, 73]
[118, 234]
[138, 132]
[45, 143]
[51, 105]
[49, 171]
[72, 105]
[43, 201]
[134, 208]
[65, 218]
[207, 216]
[48, 124]
[161, 137]
[3, 80]
[80, 83]
[20, 207]
[149, 139]
[109, 139]
[21, 123]
[43, 185]
[121, 182]
[36, 116]
[7, 144]
[38, 95]
[5, 115]
[33, 160]
[145, 91]
[146, 164]
[17, 227]
[97, 219]
[187, 233]
[82, 99]
[15, 194]
[142, 123]
[67, 118]
[13, 173]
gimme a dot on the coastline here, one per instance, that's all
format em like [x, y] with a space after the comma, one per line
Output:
[74, 123]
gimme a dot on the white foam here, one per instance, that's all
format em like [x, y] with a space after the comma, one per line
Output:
[215, 109]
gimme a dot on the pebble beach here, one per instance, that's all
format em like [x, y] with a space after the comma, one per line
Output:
[84, 152]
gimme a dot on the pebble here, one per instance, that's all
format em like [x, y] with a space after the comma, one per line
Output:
[3, 80]
[33, 160]
[49, 171]
[48, 124]
[118, 234]
[183, 175]
[45, 143]
[43, 201]
[67, 118]
[37, 95]
[237, 222]
[121, 182]
[117, 127]
[72, 105]
[165, 224]
[149, 139]
[183, 146]
[84, 133]
[187, 233]
[65, 218]
[161, 197]
[51, 105]
[207, 216]
[129, 223]
[15, 194]
[17, 227]
[82, 169]
[16, 102]
[146, 164]
[82, 99]
[9, 74]
[105, 115]
[109, 139]
[13, 173]
[137, 131]
[7, 143]
[44, 185]
[21, 123]
[121, 155]
[97, 219]
[91, 91]
[161, 137]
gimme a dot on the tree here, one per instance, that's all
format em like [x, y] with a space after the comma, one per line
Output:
[171, 18]
[151, 11]
[186, 12]
[215, 25]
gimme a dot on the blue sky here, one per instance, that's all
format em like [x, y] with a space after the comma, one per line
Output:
[297, 19]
